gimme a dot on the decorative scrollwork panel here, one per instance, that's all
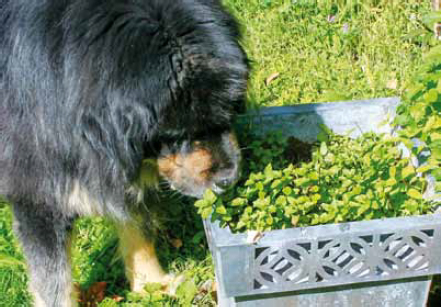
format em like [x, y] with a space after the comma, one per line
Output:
[350, 258]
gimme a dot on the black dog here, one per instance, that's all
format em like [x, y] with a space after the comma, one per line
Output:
[92, 89]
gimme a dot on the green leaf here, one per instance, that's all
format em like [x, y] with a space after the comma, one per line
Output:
[269, 220]
[287, 191]
[238, 202]
[402, 119]
[323, 149]
[315, 198]
[414, 194]
[390, 182]
[313, 176]
[435, 136]
[276, 184]
[430, 96]
[393, 171]
[418, 111]
[210, 197]
[201, 203]
[152, 287]
[295, 220]
[281, 200]
[322, 137]
[262, 203]
[206, 213]
[436, 153]
[412, 207]
[197, 238]
[268, 171]
[362, 209]
[407, 171]
[186, 292]
[314, 189]
[425, 168]
[221, 210]
[437, 174]
[325, 129]
[324, 134]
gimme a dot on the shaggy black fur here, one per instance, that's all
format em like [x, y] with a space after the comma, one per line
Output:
[90, 88]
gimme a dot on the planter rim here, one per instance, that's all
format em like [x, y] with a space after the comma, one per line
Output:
[389, 102]
[225, 238]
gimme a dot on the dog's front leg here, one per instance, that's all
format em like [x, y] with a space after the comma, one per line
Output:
[44, 236]
[141, 262]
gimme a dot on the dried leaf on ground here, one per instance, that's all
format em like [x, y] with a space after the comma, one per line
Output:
[177, 243]
[94, 295]
[392, 84]
[271, 78]
[117, 298]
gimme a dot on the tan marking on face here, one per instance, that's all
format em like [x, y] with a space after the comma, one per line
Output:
[139, 254]
[195, 165]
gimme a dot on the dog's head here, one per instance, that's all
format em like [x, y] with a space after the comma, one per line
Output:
[193, 167]
[209, 75]
[171, 76]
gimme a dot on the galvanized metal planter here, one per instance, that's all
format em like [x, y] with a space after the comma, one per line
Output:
[374, 263]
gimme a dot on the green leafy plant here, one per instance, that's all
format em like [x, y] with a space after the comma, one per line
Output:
[346, 180]
[420, 117]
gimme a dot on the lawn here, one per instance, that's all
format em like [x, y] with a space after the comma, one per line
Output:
[302, 51]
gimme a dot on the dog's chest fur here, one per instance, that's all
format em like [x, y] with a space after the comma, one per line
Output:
[86, 202]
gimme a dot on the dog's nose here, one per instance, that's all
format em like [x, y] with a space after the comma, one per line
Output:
[226, 178]
[225, 183]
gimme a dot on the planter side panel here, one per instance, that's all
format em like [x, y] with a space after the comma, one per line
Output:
[402, 293]
[333, 255]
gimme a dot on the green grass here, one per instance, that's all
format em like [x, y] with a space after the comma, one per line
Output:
[12, 266]
[95, 259]
[367, 45]
[95, 256]
[322, 51]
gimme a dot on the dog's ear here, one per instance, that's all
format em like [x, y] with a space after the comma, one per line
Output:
[178, 77]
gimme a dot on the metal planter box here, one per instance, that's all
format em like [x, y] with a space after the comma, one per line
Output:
[373, 263]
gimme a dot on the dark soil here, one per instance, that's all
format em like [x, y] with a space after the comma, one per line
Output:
[298, 151]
